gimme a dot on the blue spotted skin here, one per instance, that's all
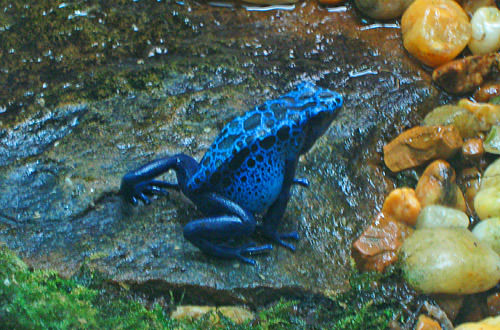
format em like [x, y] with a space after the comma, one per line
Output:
[248, 170]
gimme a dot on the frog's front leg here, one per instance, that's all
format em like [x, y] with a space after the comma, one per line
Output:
[140, 183]
[275, 212]
[230, 223]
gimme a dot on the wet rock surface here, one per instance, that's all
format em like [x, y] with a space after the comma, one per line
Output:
[59, 176]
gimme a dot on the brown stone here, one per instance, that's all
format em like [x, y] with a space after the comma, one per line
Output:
[473, 149]
[450, 304]
[377, 247]
[426, 323]
[487, 91]
[420, 144]
[437, 186]
[466, 74]
[493, 303]
[470, 182]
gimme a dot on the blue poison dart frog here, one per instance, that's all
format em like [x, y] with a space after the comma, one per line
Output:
[248, 170]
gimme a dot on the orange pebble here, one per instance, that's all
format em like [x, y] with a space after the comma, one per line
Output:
[403, 205]
[426, 323]
[435, 31]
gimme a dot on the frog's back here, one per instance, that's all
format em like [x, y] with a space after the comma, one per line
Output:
[246, 161]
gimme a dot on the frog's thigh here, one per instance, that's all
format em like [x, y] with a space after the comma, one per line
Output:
[232, 220]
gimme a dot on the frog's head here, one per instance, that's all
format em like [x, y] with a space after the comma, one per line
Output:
[320, 115]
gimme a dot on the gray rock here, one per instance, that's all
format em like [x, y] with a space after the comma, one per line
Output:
[58, 198]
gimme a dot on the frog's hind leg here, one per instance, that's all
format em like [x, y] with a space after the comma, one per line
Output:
[232, 223]
[141, 182]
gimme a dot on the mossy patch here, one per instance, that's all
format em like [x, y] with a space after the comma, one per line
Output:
[54, 53]
[40, 299]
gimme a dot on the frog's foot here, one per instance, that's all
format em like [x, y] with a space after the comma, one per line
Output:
[279, 237]
[301, 182]
[226, 252]
[251, 249]
[142, 190]
[140, 183]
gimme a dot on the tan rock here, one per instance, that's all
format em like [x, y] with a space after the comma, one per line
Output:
[490, 323]
[464, 121]
[466, 74]
[426, 323]
[448, 260]
[473, 149]
[433, 216]
[487, 113]
[491, 176]
[488, 232]
[420, 144]
[237, 314]
[437, 186]
[487, 199]
[403, 205]
[377, 247]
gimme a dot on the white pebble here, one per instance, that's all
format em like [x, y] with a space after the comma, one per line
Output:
[449, 260]
[441, 216]
[488, 232]
[485, 31]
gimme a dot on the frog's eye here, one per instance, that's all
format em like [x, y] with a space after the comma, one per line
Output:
[307, 94]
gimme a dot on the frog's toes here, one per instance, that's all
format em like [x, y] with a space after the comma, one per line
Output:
[144, 198]
[289, 246]
[279, 237]
[292, 235]
[246, 260]
[252, 249]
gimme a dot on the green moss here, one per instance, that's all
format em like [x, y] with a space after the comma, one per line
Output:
[43, 300]
[372, 302]
[55, 52]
